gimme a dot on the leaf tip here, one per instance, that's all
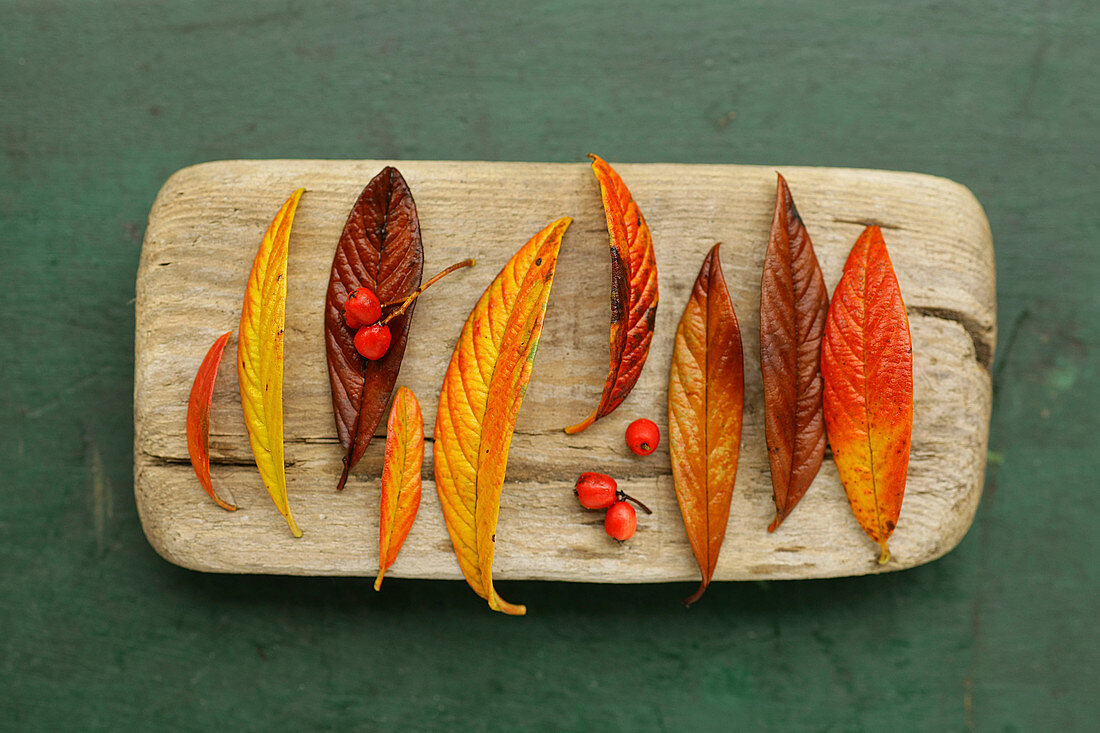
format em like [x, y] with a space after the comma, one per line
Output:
[499, 604]
[776, 522]
[292, 524]
[582, 425]
[378, 580]
[226, 505]
[696, 595]
[347, 467]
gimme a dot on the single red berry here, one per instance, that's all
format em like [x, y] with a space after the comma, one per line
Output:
[643, 436]
[596, 490]
[620, 521]
[373, 341]
[362, 308]
[352, 321]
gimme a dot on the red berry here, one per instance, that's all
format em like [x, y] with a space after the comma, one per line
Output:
[620, 521]
[643, 436]
[596, 490]
[373, 341]
[362, 308]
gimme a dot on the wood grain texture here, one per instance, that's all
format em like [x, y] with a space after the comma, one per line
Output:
[209, 218]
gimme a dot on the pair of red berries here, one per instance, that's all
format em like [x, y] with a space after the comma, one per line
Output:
[600, 491]
[361, 312]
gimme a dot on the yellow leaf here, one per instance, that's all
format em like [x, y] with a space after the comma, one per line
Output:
[481, 396]
[260, 355]
[401, 468]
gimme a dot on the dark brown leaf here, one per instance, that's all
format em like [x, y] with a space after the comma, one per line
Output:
[793, 304]
[380, 249]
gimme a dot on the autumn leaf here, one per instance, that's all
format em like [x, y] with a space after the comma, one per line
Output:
[401, 467]
[867, 366]
[706, 393]
[260, 356]
[633, 291]
[198, 418]
[379, 249]
[481, 396]
[793, 303]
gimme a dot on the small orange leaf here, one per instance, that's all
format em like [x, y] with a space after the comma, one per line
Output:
[793, 303]
[260, 355]
[633, 291]
[867, 366]
[198, 418]
[481, 396]
[401, 467]
[706, 394]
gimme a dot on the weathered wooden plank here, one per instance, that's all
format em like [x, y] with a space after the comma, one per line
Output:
[202, 234]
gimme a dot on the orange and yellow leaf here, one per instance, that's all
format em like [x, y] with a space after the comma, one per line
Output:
[401, 468]
[481, 396]
[867, 368]
[198, 418]
[706, 394]
[633, 291]
[260, 355]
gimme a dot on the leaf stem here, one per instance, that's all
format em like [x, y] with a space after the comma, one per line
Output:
[416, 293]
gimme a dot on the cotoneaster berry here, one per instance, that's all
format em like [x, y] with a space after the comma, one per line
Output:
[620, 521]
[362, 308]
[643, 436]
[373, 341]
[596, 490]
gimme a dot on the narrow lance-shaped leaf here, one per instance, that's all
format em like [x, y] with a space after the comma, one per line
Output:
[260, 356]
[867, 365]
[793, 303]
[380, 249]
[198, 418]
[706, 393]
[633, 291]
[401, 468]
[481, 396]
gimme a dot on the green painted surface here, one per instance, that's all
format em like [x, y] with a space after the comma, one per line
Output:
[101, 102]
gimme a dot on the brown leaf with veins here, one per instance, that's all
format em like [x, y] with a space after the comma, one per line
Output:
[380, 249]
[793, 304]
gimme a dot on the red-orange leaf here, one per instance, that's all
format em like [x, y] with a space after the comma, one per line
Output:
[380, 249]
[867, 365]
[633, 291]
[198, 418]
[706, 393]
[793, 303]
[400, 478]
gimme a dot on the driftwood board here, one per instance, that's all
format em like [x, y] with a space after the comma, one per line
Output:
[203, 233]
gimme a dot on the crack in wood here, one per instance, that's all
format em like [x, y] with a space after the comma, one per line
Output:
[868, 223]
[979, 335]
